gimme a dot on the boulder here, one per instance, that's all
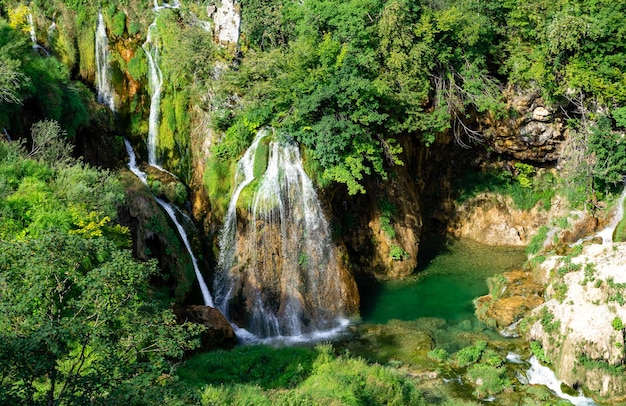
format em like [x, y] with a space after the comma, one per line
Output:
[219, 332]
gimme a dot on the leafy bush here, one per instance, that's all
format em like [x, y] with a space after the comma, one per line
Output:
[470, 355]
[438, 354]
[488, 380]
[617, 324]
[537, 350]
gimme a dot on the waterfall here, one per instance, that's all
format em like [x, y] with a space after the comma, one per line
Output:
[279, 264]
[174, 4]
[607, 233]
[155, 80]
[538, 374]
[103, 72]
[33, 35]
[170, 210]
[31, 29]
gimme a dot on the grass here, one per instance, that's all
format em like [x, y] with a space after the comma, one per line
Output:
[260, 375]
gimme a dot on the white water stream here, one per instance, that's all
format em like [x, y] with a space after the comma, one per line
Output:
[538, 374]
[278, 258]
[103, 70]
[169, 209]
[33, 35]
[155, 80]
[607, 233]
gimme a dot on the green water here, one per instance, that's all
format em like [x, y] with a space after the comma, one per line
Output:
[451, 275]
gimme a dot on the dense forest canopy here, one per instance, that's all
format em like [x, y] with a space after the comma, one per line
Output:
[351, 81]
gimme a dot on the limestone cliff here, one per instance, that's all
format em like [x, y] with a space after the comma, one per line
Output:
[581, 326]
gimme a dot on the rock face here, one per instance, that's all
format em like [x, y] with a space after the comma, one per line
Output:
[493, 219]
[581, 326]
[534, 133]
[219, 333]
[153, 237]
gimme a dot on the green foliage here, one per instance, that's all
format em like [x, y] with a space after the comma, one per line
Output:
[568, 266]
[397, 253]
[525, 197]
[537, 350]
[261, 366]
[287, 376]
[119, 24]
[590, 273]
[489, 380]
[536, 242]
[470, 355]
[438, 354]
[546, 318]
[217, 180]
[387, 211]
[524, 173]
[616, 292]
[609, 153]
[617, 324]
[560, 291]
[589, 363]
[90, 328]
[138, 65]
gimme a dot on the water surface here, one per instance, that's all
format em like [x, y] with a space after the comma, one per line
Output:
[450, 276]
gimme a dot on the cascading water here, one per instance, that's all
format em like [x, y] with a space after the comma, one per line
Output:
[155, 80]
[278, 273]
[103, 72]
[31, 29]
[538, 374]
[607, 233]
[33, 35]
[170, 210]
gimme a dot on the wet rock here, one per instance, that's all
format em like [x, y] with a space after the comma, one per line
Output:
[219, 333]
[512, 296]
[588, 226]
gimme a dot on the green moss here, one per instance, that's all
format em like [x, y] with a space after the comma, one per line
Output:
[218, 178]
[118, 24]
[261, 157]
[138, 65]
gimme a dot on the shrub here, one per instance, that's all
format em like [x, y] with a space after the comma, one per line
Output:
[470, 355]
[438, 354]
[537, 350]
[488, 380]
[617, 324]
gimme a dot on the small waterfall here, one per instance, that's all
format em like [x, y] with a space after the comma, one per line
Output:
[279, 264]
[170, 210]
[31, 29]
[103, 72]
[607, 233]
[155, 80]
[174, 4]
[538, 374]
[33, 35]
